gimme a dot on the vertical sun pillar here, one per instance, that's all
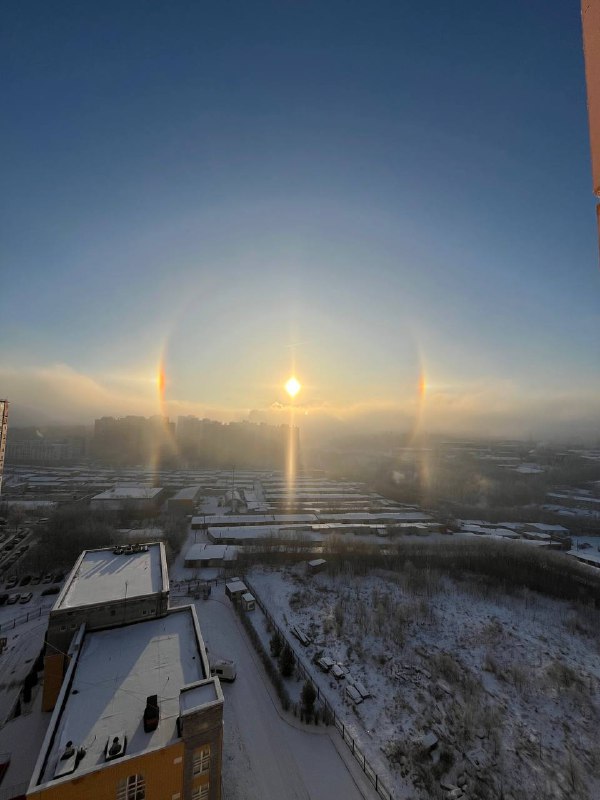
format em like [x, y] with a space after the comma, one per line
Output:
[292, 387]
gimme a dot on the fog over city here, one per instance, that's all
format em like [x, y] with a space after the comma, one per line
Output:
[485, 408]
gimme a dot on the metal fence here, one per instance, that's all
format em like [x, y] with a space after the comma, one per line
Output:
[358, 754]
[39, 612]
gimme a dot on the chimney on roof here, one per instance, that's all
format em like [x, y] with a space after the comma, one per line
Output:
[151, 713]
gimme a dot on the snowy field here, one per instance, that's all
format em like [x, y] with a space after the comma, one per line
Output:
[475, 693]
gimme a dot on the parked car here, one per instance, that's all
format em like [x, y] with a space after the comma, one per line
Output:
[35, 580]
[3, 599]
[25, 580]
[12, 581]
[59, 576]
[25, 598]
[12, 599]
[48, 578]
[51, 590]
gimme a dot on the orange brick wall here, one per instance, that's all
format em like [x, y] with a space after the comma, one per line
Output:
[162, 770]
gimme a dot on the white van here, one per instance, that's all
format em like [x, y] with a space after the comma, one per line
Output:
[224, 669]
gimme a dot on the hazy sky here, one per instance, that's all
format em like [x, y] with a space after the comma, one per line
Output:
[379, 192]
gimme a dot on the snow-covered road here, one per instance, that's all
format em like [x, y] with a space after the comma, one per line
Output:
[264, 755]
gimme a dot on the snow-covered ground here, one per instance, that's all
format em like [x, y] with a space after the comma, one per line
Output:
[24, 627]
[267, 753]
[507, 683]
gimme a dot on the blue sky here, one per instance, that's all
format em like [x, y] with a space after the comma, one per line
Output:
[371, 191]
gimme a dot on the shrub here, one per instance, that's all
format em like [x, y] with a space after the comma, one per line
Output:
[447, 667]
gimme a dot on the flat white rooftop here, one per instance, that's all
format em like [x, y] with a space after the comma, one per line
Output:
[115, 671]
[101, 576]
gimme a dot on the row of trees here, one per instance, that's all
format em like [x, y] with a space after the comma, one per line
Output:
[73, 528]
[284, 655]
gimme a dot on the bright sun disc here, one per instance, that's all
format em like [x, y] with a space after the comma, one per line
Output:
[292, 387]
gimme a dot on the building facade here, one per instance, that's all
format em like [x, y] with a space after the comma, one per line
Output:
[136, 714]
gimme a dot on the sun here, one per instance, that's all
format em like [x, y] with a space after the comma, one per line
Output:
[293, 386]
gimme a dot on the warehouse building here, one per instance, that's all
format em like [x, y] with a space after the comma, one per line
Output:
[185, 501]
[141, 499]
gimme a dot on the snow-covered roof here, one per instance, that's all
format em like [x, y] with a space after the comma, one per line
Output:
[199, 694]
[250, 531]
[366, 516]
[101, 576]
[543, 527]
[187, 493]
[129, 493]
[236, 587]
[253, 519]
[203, 552]
[114, 673]
[586, 556]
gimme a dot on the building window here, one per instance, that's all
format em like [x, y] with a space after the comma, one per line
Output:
[201, 792]
[201, 762]
[132, 788]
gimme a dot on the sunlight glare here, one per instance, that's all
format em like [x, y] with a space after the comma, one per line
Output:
[292, 387]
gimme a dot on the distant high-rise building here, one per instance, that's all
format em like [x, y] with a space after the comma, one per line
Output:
[204, 442]
[134, 440]
[3, 429]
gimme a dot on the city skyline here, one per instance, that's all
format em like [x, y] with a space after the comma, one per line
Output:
[396, 208]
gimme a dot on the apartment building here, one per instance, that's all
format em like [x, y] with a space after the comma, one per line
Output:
[135, 712]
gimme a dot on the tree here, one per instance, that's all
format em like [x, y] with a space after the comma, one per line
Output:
[308, 697]
[276, 644]
[71, 529]
[286, 661]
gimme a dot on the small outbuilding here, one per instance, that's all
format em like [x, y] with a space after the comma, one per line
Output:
[234, 589]
[210, 555]
[248, 602]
